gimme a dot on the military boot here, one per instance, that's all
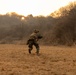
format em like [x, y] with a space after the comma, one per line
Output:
[37, 51]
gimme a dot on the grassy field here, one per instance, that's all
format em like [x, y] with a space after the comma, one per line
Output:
[53, 60]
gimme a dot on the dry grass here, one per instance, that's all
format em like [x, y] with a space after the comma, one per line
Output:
[15, 60]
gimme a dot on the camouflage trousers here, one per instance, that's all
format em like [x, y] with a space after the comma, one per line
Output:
[32, 43]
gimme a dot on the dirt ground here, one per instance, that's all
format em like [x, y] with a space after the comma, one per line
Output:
[53, 60]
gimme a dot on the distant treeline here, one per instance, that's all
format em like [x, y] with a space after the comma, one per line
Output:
[59, 28]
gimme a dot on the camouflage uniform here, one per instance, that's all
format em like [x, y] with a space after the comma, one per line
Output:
[33, 41]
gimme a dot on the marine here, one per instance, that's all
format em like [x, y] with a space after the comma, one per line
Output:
[33, 40]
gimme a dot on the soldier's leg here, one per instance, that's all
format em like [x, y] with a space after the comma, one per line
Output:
[30, 47]
[37, 47]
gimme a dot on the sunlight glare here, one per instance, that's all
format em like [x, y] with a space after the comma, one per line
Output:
[34, 7]
[22, 18]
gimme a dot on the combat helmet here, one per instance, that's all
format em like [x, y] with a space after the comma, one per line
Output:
[36, 31]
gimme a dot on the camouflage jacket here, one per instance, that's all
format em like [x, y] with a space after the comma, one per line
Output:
[34, 36]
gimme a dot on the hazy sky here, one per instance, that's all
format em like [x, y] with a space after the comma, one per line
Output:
[34, 7]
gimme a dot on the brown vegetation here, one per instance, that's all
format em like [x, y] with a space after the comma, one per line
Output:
[65, 28]
[60, 30]
[15, 60]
